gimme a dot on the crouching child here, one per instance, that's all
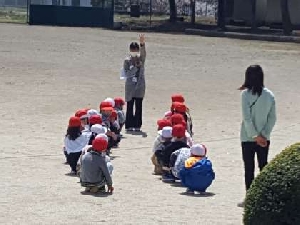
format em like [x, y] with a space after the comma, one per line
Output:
[95, 174]
[197, 174]
[165, 137]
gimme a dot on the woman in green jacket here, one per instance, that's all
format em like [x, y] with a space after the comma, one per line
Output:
[259, 117]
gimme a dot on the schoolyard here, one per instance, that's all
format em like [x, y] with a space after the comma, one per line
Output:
[47, 73]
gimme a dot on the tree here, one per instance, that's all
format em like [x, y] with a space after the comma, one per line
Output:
[173, 11]
[193, 7]
[221, 14]
[253, 15]
[286, 19]
[274, 196]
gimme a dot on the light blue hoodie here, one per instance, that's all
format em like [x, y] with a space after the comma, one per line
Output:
[259, 115]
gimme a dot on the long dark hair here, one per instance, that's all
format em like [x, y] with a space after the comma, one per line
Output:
[73, 133]
[134, 46]
[93, 136]
[254, 80]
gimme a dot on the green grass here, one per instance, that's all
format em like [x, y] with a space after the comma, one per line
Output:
[13, 15]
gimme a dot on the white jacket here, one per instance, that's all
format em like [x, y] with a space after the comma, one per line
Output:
[76, 145]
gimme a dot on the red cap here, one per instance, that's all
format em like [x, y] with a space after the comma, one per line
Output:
[114, 114]
[178, 131]
[107, 109]
[163, 123]
[105, 104]
[184, 124]
[74, 122]
[119, 101]
[99, 144]
[177, 98]
[177, 119]
[95, 119]
[81, 112]
[180, 108]
[174, 104]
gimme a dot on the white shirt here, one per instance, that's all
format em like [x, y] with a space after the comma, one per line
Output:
[76, 145]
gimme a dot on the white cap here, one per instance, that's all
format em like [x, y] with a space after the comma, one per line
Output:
[169, 113]
[98, 129]
[92, 112]
[166, 132]
[111, 101]
[198, 150]
[102, 136]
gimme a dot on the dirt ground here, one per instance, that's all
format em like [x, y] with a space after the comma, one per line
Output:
[47, 73]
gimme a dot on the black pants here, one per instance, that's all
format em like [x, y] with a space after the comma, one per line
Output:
[73, 159]
[134, 120]
[249, 149]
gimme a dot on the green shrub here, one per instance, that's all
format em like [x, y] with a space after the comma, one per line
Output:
[274, 196]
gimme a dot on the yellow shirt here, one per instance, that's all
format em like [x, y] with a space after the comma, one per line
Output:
[191, 161]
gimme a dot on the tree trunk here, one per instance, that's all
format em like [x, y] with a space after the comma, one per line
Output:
[193, 7]
[253, 15]
[173, 11]
[221, 14]
[286, 19]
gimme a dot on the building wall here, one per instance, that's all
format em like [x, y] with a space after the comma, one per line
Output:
[242, 10]
[274, 11]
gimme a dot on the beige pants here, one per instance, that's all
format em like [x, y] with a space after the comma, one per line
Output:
[157, 167]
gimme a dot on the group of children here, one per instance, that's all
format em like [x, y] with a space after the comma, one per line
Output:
[175, 155]
[91, 135]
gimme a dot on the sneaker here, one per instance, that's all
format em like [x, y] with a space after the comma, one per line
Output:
[87, 189]
[102, 189]
[137, 129]
[241, 204]
[168, 178]
[129, 129]
[189, 191]
[73, 173]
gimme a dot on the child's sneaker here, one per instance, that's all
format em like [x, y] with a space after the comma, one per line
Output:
[72, 173]
[87, 189]
[189, 191]
[168, 178]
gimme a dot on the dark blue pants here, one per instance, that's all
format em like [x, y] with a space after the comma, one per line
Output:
[73, 159]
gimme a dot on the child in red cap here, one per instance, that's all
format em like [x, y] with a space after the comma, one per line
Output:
[181, 109]
[114, 124]
[163, 157]
[114, 127]
[177, 98]
[74, 143]
[95, 173]
[119, 104]
[160, 125]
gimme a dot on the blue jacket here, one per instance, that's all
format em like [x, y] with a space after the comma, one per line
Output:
[199, 177]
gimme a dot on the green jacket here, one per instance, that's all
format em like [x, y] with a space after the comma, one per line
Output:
[259, 115]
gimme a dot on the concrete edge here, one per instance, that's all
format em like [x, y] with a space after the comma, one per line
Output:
[243, 36]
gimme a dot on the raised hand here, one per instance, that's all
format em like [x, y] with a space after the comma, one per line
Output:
[142, 39]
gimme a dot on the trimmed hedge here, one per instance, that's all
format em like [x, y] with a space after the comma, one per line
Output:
[274, 196]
